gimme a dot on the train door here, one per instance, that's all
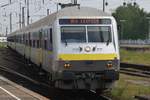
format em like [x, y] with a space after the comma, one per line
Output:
[44, 47]
[29, 52]
[40, 48]
[24, 45]
[15, 42]
[50, 50]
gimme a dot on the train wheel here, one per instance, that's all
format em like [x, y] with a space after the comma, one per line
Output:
[50, 79]
[99, 91]
[40, 70]
[29, 62]
[24, 57]
[50, 76]
[26, 62]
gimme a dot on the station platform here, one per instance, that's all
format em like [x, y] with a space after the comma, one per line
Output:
[12, 91]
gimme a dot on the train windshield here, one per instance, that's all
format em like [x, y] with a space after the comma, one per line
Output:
[81, 34]
[99, 33]
[73, 34]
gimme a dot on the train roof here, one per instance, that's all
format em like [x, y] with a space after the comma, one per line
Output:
[68, 12]
[81, 12]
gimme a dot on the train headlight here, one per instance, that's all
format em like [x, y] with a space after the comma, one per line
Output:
[87, 49]
[67, 65]
[109, 64]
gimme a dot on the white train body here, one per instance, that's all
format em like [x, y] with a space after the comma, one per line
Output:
[78, 47]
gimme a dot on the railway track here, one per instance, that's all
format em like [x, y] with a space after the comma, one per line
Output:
[25, 81]
[7, 69]
[10, 71]
[135, 70]
[58, 94]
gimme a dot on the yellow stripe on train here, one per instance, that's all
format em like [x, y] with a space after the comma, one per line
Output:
[87, 56]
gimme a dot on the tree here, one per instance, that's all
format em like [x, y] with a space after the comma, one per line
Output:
[135, 24]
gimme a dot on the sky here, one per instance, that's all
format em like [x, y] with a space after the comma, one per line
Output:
[38, 9]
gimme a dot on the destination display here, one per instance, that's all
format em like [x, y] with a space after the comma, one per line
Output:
[84, 21]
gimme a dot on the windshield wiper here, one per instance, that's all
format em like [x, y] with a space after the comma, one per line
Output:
[66, 43]
[107, 42]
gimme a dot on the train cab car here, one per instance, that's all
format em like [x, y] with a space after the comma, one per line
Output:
[76, 46]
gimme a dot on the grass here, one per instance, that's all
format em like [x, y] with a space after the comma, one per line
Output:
[135, 57]
[129, 86]
[2, 45]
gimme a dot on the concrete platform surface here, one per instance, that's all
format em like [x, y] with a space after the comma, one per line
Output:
[12, 91]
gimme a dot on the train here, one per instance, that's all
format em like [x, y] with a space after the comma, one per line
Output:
[76, 46]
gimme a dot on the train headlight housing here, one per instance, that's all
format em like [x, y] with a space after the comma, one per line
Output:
[67, 65]
[109, 64]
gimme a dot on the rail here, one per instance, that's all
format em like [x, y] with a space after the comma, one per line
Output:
[135, 69]
[10, 71]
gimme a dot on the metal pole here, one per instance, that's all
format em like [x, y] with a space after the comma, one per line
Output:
[23, 19]
[103, 5]
[19, 21]
[28, 16]
[57, 7]
[6, 31]
[20, 17]
[10, 22]
[47, 12]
